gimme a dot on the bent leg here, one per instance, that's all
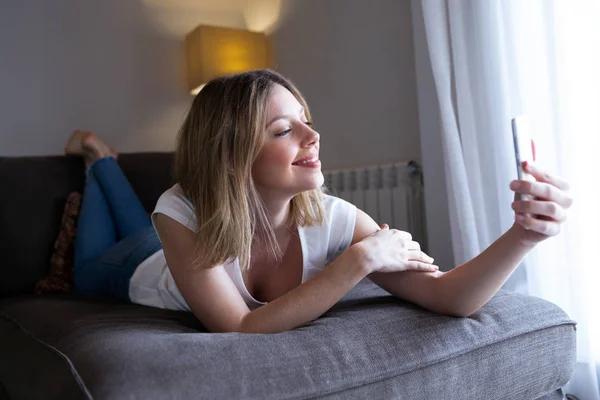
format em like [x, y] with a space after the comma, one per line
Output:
[96, 231]
[128, 212]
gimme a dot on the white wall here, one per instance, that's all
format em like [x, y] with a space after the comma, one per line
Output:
[113, 67]
[353, 61]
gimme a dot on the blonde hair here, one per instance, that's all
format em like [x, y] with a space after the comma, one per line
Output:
[219, 141]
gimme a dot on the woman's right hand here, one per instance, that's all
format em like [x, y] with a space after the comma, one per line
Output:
[392, 250]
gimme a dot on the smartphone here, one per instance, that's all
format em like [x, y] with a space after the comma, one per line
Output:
[523, 148]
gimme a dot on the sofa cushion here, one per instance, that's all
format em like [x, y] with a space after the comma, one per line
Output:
[34, 193]
[60, 274]
[369, 345]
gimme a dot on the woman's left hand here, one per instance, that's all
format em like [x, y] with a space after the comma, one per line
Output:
[540, 217]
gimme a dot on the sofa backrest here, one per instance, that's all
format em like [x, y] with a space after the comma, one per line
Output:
[33, 192]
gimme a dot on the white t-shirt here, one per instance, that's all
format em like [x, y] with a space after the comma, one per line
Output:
[153, 285]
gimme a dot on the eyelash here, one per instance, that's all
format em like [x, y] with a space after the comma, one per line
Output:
[289, 130]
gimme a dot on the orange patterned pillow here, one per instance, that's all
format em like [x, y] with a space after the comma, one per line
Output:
[60, 276]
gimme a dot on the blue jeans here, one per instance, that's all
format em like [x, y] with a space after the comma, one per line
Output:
[114, 233]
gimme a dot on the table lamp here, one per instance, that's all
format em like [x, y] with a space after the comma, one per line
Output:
[216, 51]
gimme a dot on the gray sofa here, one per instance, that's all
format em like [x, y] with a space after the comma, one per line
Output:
[368, 346]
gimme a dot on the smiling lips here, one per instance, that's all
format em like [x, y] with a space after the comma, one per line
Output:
[308, 163]
[305, 161]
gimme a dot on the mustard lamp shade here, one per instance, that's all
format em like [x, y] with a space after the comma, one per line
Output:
[215, 51]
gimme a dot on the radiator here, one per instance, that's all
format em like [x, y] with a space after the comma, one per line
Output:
[390, 193]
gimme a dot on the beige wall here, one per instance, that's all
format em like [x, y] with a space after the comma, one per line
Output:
[353, 61]
[114, 67]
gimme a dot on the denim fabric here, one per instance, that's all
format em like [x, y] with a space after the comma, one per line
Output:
[114, 233]
[110, 275]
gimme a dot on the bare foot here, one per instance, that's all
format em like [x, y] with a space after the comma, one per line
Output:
[74, 143]
[89, 146]
[94, 149]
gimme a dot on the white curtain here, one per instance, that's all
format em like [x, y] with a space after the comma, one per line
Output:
[495, 59]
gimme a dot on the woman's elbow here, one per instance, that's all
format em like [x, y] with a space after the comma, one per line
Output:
[460, 313]
[454, 310]
[250, 324]
[447, 303]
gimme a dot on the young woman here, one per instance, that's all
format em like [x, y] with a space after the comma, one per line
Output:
[251, 243]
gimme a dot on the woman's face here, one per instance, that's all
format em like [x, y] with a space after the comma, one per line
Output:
[279, 170]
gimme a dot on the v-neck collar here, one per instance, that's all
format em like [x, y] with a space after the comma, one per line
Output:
[304, 260]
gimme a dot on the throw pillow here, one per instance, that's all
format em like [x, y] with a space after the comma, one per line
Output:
[60, 274]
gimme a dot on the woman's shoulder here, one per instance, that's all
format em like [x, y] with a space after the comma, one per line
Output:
[338, 215]
[173, 203]
[335, 234]
[174, 194]
[336, 206]
[174, 190]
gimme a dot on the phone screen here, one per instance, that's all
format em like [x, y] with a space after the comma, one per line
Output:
[522, 144]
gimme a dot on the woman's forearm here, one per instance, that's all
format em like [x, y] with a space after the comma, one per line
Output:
[469, 286]
[310, 300]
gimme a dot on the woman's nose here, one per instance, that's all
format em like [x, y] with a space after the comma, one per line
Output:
[312, 137]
